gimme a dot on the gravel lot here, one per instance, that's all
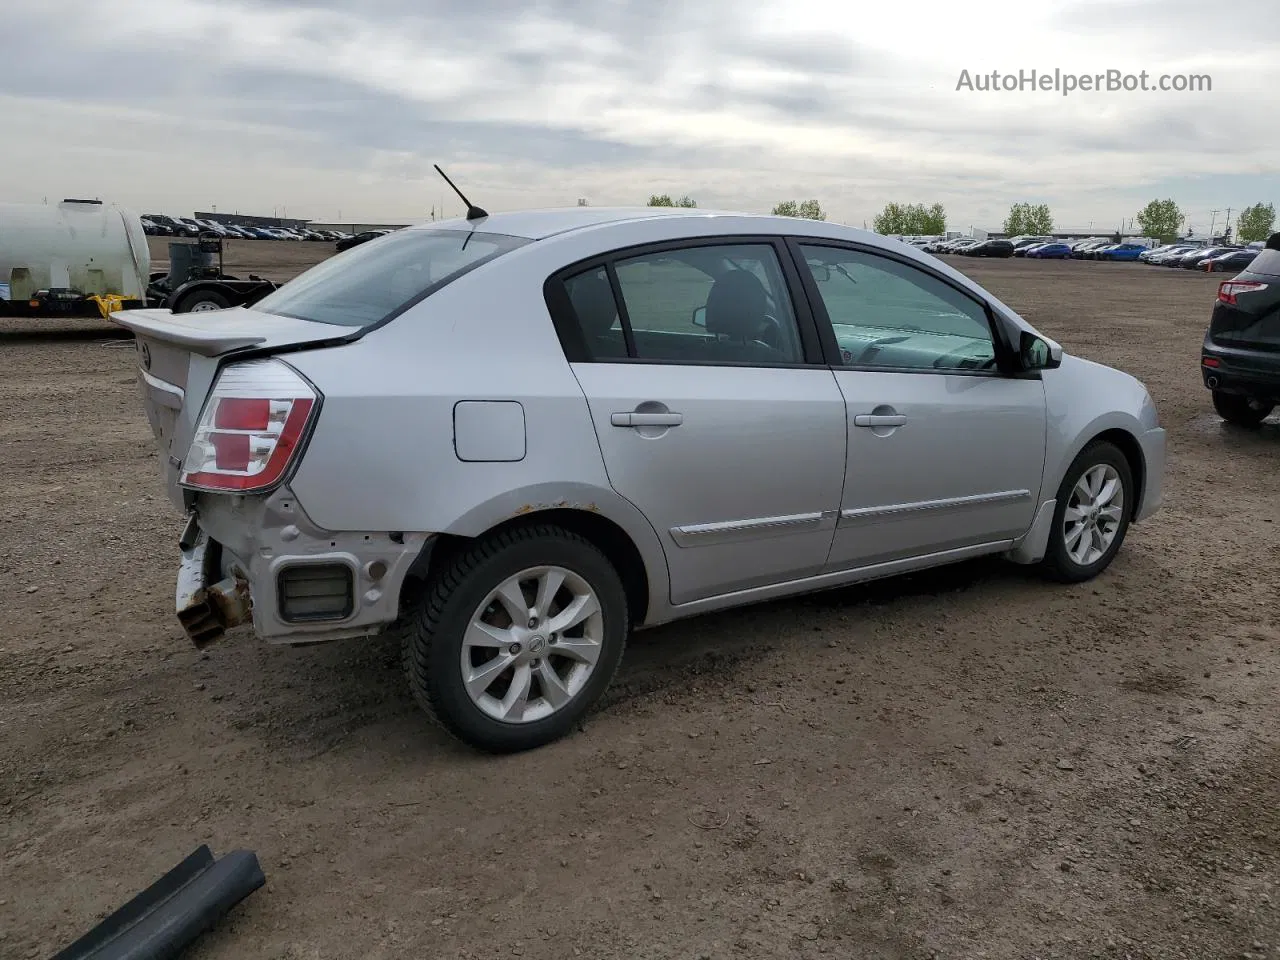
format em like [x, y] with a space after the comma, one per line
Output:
[970, 763]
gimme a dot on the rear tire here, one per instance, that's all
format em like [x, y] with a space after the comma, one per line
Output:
[1095, 502]
[1240, 410]
[500, 685]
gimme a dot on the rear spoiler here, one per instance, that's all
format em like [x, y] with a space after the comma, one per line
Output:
[189, 331]
[216, 333]
[164, 919]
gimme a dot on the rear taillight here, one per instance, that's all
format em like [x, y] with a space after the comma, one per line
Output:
[252, 425]
[1228, 290]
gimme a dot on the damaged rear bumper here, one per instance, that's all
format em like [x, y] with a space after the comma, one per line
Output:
[207, 603]
[262, 561]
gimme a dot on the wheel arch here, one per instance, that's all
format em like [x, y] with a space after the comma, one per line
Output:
[612, 524]
[1127, 443]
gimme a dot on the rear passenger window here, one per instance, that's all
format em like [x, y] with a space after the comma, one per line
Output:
[697, 305]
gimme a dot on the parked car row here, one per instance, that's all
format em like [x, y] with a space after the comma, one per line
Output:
[1219, 259]
[964, 246]
[346, 243]
[159, 225]
[1187, 254]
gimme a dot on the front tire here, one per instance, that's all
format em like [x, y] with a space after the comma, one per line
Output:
[1239, 410]
[517, 638]
[1095, 502]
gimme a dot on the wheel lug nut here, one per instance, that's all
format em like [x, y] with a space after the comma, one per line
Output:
[533, 622]
[514, 649]
[554, 638]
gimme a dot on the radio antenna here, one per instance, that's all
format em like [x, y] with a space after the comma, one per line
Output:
[473, 212]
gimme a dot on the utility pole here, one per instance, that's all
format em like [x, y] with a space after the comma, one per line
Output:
[1226, 229]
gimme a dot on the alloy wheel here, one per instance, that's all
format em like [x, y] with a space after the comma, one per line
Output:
[1093, 514]
[532, 645]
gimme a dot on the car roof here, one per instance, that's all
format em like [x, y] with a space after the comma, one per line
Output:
[539, 224]
[558, 222]
[609, 225]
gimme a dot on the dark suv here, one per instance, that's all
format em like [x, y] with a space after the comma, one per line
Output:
[1240, 360]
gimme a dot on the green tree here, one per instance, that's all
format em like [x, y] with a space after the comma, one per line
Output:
[914, 219]
[933, 221]
[892, 219]
[664, 200]
[1256, 222]
[1027, 218]
[812, 210]
[805, 209]
[1160, 218]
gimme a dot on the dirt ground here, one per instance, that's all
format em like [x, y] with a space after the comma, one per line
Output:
[969, 763]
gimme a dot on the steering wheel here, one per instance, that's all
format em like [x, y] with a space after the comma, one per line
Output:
[770, 333]
[965, 362]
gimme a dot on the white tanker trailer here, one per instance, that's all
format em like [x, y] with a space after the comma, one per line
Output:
[53, 256]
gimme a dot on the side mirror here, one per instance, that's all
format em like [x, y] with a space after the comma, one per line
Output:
[1038, 353]
[821, 272]
[699, 318]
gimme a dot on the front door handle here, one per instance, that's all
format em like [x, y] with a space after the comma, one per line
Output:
[646, 419]
[879, 420]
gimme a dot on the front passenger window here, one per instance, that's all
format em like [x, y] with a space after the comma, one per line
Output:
[888, 314]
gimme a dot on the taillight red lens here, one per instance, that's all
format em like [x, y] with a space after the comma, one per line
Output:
[251, 427]
[230, 450]
[240, 413]
[1228, 290]
[1211, 361]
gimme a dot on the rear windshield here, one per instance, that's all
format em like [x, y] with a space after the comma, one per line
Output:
[367, 284]
[1268, 262]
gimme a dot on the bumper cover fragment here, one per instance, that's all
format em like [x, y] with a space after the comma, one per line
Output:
[164, 919]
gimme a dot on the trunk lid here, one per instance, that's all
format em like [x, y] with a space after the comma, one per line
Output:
[178, 356]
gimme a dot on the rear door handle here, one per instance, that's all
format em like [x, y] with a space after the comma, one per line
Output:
[878, 420]
[646, 419]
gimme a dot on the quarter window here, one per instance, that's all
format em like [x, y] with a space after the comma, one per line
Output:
[596, 311]
[888, 314]
[697, 305]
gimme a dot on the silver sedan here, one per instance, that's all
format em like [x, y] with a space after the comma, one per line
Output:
[513, 440]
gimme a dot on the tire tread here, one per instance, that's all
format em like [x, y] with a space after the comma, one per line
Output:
[1053, 566]
[422, 628]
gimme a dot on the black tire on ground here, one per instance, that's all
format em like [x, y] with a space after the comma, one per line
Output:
[1057, 563]
[1239, 410]
[206, 299]
[433, 634]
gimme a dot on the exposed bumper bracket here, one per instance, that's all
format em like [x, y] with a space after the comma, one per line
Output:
[207, 609]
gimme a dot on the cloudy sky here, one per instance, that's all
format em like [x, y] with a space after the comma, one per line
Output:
[335, 110]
